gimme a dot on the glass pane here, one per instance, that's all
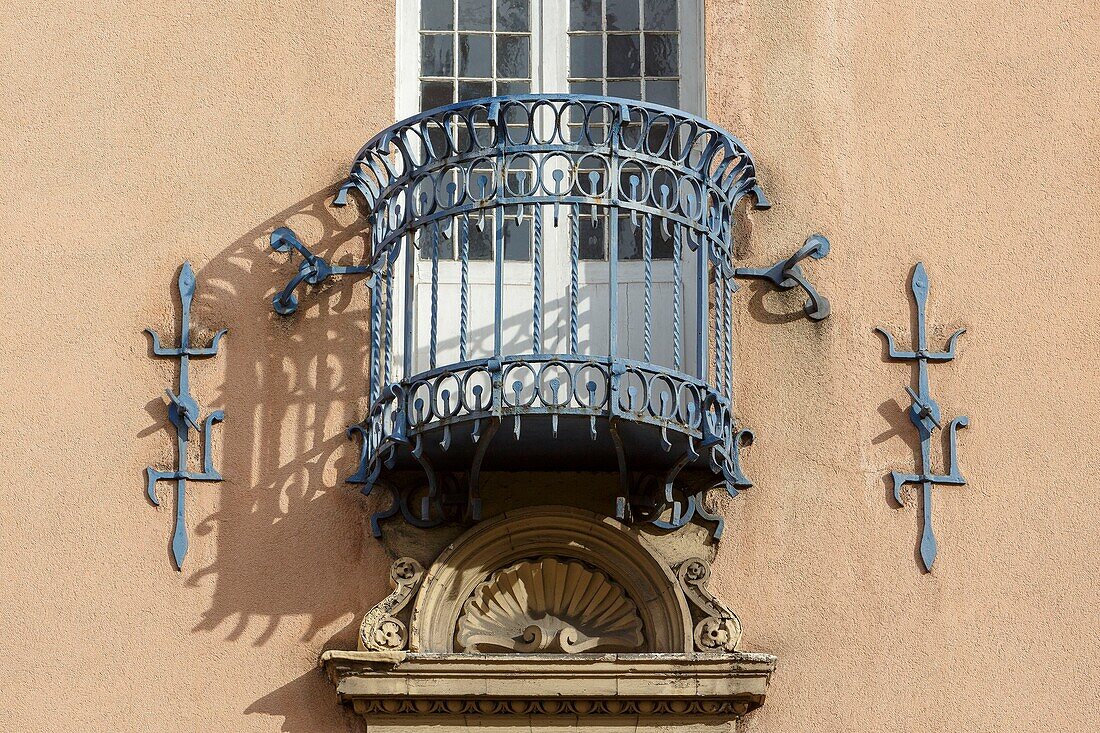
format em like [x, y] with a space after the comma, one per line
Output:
[437, 54]
[626, 89]
[437, 15]
[475, 15]
[586, 87]
[631, 245]
[592, 240]
[475, 56]
[429, 240]
[585, 15]
[474, 90]
[663, 92]
[517, 238]
[513, 57]
[662, 57]
[436, 94]
[514, 15]
[513, 87]
[622, 15]
[630, 238]
[586, 56]
[438, 142]
[481, 242]
[658, 134]
[662, 243]
[623, 55]
[660, 15]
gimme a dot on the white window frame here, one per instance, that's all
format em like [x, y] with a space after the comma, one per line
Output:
[550, 20]
[549, 74]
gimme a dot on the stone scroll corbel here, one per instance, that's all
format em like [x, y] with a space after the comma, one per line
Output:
[381, 630]
[717, 629]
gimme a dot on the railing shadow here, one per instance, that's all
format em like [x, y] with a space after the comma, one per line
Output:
[290, 559]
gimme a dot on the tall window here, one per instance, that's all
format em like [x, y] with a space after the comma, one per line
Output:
[625, 48]
[466, 49]
[473, 48]
[451, 51]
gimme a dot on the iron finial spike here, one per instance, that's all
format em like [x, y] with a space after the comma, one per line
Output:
[187, 293]
[920, 294]
[928, 549]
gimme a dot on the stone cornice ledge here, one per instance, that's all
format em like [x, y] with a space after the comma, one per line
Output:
[394, 683]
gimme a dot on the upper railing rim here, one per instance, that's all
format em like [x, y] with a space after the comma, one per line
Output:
[549, 96]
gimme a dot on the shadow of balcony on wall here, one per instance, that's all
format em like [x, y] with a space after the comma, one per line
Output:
[283, 553]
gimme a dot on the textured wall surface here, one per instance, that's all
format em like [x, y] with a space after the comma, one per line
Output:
[136, 135]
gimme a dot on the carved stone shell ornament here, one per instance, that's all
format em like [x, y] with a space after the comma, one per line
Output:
[552, 606]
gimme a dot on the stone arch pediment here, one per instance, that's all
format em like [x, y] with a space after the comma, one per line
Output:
[551, 611]
[563, 534]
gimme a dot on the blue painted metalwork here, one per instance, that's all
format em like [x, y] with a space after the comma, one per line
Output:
[184, 413]
[313, 270]
[925, 415]
[590, 160]
[788, 273]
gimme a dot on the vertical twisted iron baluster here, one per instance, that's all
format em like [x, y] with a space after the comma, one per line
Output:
[727, 294]
[647, 306]
[375, 285]
[388, 376]
[375, 335]
[498, 283]
[435, 297]
[702, 305]
[464, 318]
[536, 315]
[677, 349]
[574, 276]
[410, 275]
[500, 135]
[719, 330]
[613, 233]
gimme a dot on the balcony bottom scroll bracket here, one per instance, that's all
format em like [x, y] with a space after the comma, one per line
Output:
[664, 498]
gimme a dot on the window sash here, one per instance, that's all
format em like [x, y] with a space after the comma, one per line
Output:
[550, 40]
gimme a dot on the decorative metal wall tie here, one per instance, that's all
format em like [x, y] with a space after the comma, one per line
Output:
[787, 273]
[313, 270]
[925, 415]
[184, 413]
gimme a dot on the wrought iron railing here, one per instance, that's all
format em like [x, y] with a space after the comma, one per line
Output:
[628, 367]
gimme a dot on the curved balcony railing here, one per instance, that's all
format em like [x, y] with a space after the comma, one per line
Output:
[596, 326]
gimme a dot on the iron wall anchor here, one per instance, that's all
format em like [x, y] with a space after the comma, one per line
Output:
[787, 273]
[924, 413]
[313, 270]
[184, 413]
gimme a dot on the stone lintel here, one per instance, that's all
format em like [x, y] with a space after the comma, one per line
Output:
[392, 683]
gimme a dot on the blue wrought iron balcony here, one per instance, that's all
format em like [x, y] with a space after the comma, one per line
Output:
[551, 289]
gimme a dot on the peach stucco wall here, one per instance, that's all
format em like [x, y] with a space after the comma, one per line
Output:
[136, 135]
